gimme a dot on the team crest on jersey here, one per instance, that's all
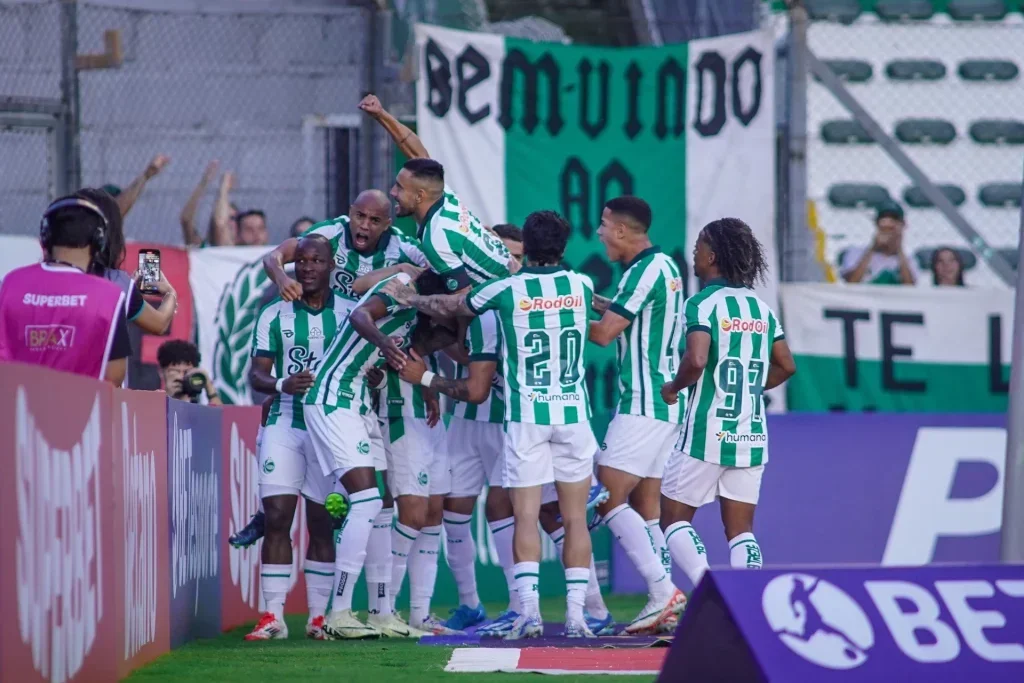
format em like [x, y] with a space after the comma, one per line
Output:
[452, 283]
[741, 325]
[423, 479]
[316, 333]
[551, 303]
[268, 466]
[363, 447]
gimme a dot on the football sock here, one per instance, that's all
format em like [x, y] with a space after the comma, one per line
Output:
[576, 579]
[350, 549]
[461, 555]
[660, 547]
[595, 601]
[501, 532]
[687, 550]
[527, 575]
[423, 573]
[319, 577]
[275, 579]
[378, 564]
[402, 540]
[634, 536]
[744, 552]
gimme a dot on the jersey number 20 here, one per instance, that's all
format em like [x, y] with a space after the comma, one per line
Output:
[570, 346]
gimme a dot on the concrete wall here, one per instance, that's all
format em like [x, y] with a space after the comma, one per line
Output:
[231, 81]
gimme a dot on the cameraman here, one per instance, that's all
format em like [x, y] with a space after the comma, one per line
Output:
[182, 377]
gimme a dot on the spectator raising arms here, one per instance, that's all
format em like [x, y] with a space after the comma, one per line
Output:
[884, 261]
[126, 198]
[947, 268]
[224, 220]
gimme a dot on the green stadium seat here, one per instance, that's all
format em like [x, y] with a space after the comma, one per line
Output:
[1011, 254]
[925, 131]
[973, 10]
[843, 11]
[857, 195]
[923, 256]
[914, 196]
[899, 10]
[997, 132]
[915, 70]
[1000, 194]
[987, 70]
[850, 70]
[845, 133]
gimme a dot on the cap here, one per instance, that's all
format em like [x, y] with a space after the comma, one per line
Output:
[112, 190]
[891, 209]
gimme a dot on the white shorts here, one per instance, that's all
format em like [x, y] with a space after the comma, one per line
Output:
[539, 454]
[475, 449]
[638, 445]
[417, 458]
[380, 458]
[696, 483]
[288, 465]
[549, 493]
[341, 438]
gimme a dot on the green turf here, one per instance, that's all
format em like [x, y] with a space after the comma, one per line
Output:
[229, 658]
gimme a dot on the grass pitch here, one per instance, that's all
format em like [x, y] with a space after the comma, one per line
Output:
[229, 658]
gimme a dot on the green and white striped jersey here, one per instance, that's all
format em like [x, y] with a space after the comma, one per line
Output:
[725, 410]
[392, 248]
[341, 378]
[650, 296]
[458, 247]
[543, 318]
[295, 337]
[401, 399]
[483, 342]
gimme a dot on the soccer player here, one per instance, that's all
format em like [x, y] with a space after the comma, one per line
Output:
[644, 321]
[288, 346]
[542, 317]
[340, 420]
[735, 349]
[457, 246]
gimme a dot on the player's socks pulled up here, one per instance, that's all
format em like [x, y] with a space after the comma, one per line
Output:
[660, 546]
[319, 578]
[461, 556]
[501, 532]
[350, 549]
[378, 564]
[632, 533]
[423, 573]
[527, 575]
[576, 579]
[275, 580]
[744, 552]
[687, 550]
[402, 540]
[594, 603]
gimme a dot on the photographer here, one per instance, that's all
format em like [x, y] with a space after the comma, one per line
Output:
[182, 377]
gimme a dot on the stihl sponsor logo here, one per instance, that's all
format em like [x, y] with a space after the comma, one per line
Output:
[556, 303]
[140, 539]
[741, 325]
[59, 552]
[58, 337]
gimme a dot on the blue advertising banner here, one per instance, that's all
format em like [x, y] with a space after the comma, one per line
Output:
[889, 489]
[939, 623]
[194, 473]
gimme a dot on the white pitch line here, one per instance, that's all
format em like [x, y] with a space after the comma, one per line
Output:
[483, 659]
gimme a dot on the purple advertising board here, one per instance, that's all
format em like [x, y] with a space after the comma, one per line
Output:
[890, 489]
[937, 623]
[194, 473]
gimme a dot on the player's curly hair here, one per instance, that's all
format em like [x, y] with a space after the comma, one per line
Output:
[545, 234]
[738, 254]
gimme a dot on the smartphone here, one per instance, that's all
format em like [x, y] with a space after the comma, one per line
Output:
[149, 267]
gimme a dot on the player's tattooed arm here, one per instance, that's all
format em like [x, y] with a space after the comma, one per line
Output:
[438, 305]
[364, 319]
[473, 389]
[364, 283]
[600, 303]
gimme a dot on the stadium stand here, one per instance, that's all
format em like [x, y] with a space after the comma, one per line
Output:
[942, 78]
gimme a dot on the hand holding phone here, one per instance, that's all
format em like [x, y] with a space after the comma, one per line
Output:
[149, 270]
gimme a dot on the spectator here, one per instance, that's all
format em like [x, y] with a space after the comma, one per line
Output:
[55, 313]
[947, 268]
[300, 226]
[884, 262]
[223, 228]
[182, 377]
[252, 228]
[126, 198]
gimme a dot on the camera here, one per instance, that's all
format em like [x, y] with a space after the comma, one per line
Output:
[193, 385]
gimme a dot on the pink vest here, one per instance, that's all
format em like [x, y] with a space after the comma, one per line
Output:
[59, 317]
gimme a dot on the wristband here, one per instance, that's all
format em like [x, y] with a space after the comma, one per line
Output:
[427, 378]
[280, 386]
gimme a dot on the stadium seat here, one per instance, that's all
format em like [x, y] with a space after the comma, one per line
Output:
[1000, 194]
[923, 256]
[915, 197]
[845, 133]
[850, 70]
[925, 131]
[997, 132]
[857, 195]
[987, 70]
[1011, 254]
[973, 10]
[843, 11]
[915, 70]
[901, 10]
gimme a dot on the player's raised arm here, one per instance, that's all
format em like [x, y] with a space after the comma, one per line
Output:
[365, 283]
[439, 305]
[273, 264]
[407, 141]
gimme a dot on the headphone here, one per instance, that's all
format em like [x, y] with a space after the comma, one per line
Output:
[97, 241]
